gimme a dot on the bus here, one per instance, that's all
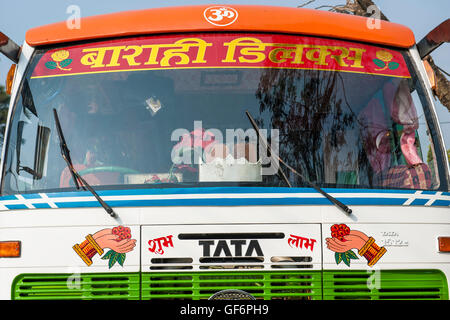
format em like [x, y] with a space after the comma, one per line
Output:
[223, 152]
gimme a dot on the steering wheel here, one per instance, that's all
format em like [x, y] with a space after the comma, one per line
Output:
[94, 170]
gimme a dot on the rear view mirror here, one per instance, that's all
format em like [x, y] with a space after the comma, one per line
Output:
[9, 48]
[27, 98]
[434, 39]
[40, 152]
[19, 144]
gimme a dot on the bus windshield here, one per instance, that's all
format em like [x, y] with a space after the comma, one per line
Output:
[170, 111]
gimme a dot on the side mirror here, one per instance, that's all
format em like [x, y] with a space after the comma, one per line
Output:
[40, 152]
[20, 126]
[434, 39]
[9, 48]
[27, 98]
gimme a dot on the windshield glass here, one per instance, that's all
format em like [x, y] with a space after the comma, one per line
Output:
[166, 111]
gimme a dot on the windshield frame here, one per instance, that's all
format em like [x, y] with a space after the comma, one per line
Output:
[432, 120]
[423, 90]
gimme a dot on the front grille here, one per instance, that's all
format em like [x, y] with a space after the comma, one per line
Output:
[214, 263]
[262, 285]
[73, 286]
[385, 285]
[270, 285]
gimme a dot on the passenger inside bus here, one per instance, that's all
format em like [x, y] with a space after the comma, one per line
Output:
[401, 167]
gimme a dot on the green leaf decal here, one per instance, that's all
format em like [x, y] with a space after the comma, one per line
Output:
[65, 63]
[393, 65]
[345, 258]
[107, 255]
[121, 258]
[50, 64]
[379, 63]
[352, 255]
[113, 259]
[338, 257]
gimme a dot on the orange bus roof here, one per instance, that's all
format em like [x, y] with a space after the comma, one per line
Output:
[250, 18]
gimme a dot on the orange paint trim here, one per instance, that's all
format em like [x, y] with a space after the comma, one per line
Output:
[251, 18]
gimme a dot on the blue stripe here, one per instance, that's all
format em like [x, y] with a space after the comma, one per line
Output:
[11, 197]
[167, 191]
[222, 190]
[428, 192]
[373, 201]
[41, 205]
[31, 196]
[383, 198]
[443, 203]
[377, 191]
[419, 202]
[86, 204]
[16, 206]
[70, 194]
[220, 202]
[197, 202]
[233, 202]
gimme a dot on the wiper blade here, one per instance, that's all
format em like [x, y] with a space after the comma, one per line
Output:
[65, 150]
[266, 145]
[273, 156]
[75, 175]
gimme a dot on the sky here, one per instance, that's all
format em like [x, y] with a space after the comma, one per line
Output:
[421, 16]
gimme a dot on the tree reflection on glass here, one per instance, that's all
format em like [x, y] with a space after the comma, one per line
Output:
[307, 108]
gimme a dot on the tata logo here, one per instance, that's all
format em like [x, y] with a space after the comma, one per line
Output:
[231, 248]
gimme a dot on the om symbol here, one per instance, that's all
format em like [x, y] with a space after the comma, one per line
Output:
[220, 16]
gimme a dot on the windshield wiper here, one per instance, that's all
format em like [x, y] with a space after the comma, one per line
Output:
[273, 156]
[75, 175]
[269, 150]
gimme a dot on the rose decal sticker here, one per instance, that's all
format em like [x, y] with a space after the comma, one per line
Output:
[343, 240]
[118, 240]
[339, 232]
[123, 233]
[383, 61]
[60, 60]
